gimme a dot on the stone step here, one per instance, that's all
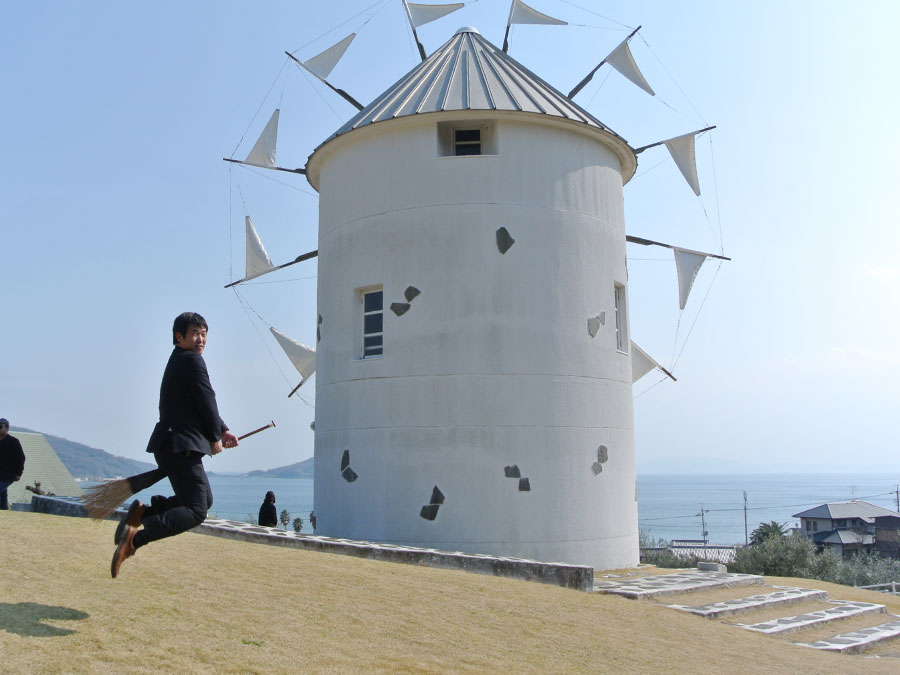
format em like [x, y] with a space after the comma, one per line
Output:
[674, 584]
[784, 595]
[842, 609]
[857, 641]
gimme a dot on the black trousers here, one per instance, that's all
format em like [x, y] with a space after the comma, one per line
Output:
[188, 508]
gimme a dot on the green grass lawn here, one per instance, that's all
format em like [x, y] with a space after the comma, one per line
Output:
[196, 603]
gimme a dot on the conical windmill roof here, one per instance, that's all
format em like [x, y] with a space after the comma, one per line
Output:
[469, 73]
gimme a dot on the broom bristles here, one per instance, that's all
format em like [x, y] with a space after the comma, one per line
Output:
[101, 500]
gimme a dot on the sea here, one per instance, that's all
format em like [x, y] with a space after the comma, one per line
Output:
[669, 505]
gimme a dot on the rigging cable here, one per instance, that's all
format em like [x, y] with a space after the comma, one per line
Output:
[697, 316]
[331, 30]
[261, 103]
[247, 309]
[585, 9]
[686, 98]
[275, 180]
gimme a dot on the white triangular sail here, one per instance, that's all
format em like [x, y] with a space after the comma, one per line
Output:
[641, 363]
[420, 14]
[323, 63]
[258, 261]
[303, 357]
[682, 150]
[522, 13]
[687, 263]
[622, 60]
[263, 153]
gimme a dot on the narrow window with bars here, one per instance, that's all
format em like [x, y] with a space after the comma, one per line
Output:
[372, 302]
[621, 319]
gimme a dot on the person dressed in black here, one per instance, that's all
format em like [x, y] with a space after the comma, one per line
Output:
[12, 461]
[268, 516]
[189, 428]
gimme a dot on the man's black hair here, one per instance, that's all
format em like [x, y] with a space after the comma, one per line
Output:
[185, 320]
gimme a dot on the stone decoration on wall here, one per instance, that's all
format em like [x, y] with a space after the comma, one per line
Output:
[401, 308]
[348, 473]
[429, 511]
[504, 240]
[513, 471]
[595, 322]
[602, 456]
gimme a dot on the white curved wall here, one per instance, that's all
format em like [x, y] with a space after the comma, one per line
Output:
[493, 364]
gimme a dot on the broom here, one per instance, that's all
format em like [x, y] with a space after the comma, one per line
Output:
[102, 499]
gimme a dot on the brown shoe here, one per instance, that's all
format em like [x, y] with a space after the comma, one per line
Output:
[132, 517]
[124, 550]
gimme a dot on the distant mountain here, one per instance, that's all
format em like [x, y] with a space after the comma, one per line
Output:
[302, 469]
[89, 463]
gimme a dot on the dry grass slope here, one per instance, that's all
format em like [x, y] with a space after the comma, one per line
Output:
[201, 604]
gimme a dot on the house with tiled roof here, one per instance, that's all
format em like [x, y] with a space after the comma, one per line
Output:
[845, 528]
[42, 465]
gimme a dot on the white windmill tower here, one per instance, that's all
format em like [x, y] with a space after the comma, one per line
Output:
[473, 370]
[474, 367]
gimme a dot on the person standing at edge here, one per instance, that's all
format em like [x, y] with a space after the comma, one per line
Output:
[12, 461]
[189, 428]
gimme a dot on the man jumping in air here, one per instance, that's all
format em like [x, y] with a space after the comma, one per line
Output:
[189, 427]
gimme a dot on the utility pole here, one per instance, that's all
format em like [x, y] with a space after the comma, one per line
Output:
[703, 531]
[746, 540]
[897, 494]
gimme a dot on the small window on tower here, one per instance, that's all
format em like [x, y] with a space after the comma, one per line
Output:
[621, 319]
[466, 138]
[372, 301]
[467, 142]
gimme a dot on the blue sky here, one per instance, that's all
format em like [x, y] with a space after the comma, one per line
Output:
[119, 213]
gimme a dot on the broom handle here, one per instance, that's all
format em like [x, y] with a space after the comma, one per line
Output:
[256, 431]
[144, 480]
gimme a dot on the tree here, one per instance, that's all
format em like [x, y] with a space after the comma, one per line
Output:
[778, 556]
[766, 530]
[298, 524]
[285, 517]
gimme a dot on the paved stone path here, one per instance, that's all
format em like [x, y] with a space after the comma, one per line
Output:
[842, 609]
[673, 584]
[785, 595]
[855, 642]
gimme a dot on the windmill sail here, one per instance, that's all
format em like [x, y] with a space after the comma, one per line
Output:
[303, 357]
[519, 12]
[682, 150]
[258, 261]
[687, 264]
[642, 363]
[263, 153]
[522, 13]
[322, 64]
[420, 14]
[622, 60]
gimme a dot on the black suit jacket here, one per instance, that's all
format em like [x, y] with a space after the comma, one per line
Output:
[187, 406]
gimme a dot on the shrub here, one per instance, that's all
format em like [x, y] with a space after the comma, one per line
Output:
[777, 556]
